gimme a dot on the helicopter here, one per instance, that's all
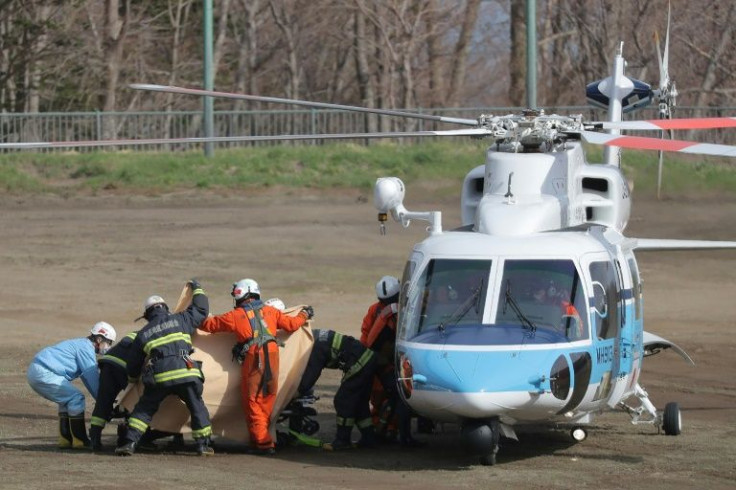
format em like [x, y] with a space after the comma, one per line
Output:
[531, 311]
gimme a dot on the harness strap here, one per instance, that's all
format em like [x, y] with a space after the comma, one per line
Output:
[261, 337]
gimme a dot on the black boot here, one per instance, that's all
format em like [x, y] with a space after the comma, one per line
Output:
[404, 417]
[368, 437]
[95, 437]
[79, 431]
[203, 447]
[342, 438]
[65, 433]
[126, 449]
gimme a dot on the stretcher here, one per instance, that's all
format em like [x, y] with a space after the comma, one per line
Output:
[221, 393]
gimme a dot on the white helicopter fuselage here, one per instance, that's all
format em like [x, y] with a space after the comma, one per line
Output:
[457, 365]
[531, 311]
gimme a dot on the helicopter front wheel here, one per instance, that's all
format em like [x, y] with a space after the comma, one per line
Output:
[578, 434]
[671, 419]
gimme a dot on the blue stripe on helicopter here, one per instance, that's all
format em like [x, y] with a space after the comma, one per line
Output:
[483, 372]
[455, 366]
[625, 294]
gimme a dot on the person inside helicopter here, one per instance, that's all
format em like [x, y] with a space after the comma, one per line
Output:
[549, 303]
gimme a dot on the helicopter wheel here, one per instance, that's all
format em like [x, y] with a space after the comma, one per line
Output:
[578, 434]
[671, 419]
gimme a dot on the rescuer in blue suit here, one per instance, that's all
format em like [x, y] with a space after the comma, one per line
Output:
[52, 370]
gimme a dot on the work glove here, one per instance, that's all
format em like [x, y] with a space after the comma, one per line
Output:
[309, 311]
[194, 284]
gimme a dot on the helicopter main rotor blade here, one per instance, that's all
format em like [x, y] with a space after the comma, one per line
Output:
[669, 124]
[305, 103]
[641, 143]
[478, 132]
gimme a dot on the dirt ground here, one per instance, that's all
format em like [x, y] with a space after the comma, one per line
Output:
[67, 263]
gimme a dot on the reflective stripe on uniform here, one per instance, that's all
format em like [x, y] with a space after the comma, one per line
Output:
[116, 360]
[345, 422]
[362, 424]
[98, 421]
[167, 339]
[336, 343]
[132, 380]
[137, 424]
[203, 432]
[176, 374]
[358, 365]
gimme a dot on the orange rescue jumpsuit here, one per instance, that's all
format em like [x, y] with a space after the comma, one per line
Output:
[379, 317]
[256, 405]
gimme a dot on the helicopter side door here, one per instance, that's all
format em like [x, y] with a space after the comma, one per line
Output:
[623, 360]
[604, 320]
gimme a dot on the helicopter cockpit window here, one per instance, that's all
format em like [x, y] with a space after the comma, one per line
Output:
[448, 293]
[543, 294]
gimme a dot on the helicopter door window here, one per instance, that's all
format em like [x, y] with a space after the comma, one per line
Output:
[448, 293]
[545, 296]
[637, 288]
[606, 296]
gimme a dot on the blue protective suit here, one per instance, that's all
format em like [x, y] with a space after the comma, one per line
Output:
[52, 370]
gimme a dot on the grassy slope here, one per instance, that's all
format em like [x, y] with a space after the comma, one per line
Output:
[319, 166]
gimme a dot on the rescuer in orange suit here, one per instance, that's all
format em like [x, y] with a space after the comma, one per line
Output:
[255, 325]
[378, 333]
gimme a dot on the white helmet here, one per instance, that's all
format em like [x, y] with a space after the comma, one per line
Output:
[276, 303]
[387, 287]
[244, 287]
[105, 330]
[152, 302]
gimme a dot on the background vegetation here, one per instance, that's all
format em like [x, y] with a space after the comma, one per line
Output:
[314, 167]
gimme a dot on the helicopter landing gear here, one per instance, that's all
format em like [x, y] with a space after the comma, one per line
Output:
[482, 438]
[578, 434]
[671, 419]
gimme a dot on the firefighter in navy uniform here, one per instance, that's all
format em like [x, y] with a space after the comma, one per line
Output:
[161, 352]
[334, 350]
[113, 379]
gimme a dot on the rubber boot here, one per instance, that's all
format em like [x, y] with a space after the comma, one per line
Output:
[95, 437]
[342, 438]
[203, 447]
[126, 449]
[79, 432]
[65, 433]
[368, 437]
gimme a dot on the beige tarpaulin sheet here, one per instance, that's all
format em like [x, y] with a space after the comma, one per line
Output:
[222, 381]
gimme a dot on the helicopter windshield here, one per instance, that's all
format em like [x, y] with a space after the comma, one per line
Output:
[543, 294]
[449, 292]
